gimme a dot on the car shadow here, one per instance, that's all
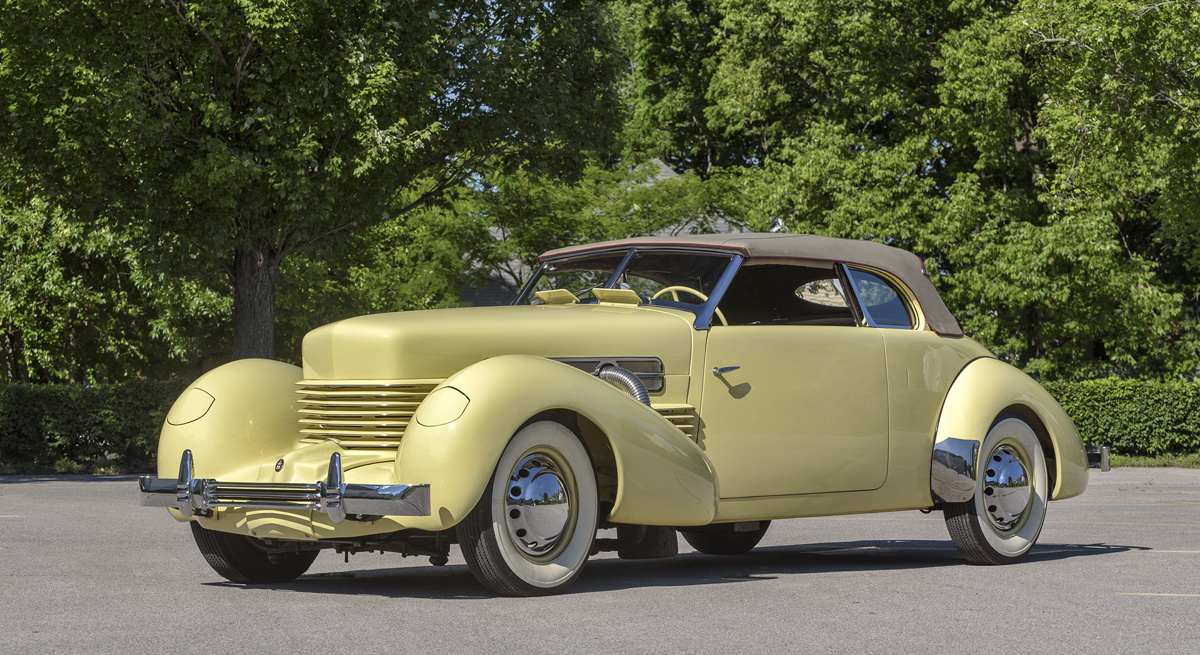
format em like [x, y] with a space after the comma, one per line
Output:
[688, 569]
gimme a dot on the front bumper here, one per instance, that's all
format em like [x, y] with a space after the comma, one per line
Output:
[332, 497]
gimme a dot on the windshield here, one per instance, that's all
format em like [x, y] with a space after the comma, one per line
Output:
[660, 277]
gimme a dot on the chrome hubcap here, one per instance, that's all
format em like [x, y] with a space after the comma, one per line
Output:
[537, 505]
[1006, 488]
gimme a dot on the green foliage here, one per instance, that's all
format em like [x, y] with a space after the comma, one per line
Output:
[510, 217]
[71, 428]
[244, 132]
[914, 124]
[411, 262]
[169, 166]
[1122, 116]
[77, 305]
[1189, 461]
[1134, 417]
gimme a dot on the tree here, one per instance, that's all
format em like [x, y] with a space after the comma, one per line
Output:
[251, 131]
[76, 306]
[412, 262]
[914, 124]
[1122, 113]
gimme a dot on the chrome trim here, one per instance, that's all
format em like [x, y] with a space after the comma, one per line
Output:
[633, 386]
[537, 505]
[952, 471]
[1006, 488]
[333, 496]
[1097, 457]
[862, 307]
[722, 370]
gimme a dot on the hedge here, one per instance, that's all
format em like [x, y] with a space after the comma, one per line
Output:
[71, 428]
[114, 428]
[1134, 417]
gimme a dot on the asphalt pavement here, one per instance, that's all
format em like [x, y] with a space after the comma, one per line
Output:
[85, 569]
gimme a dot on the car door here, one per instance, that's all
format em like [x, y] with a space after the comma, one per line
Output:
[795, 397]
[805, 411]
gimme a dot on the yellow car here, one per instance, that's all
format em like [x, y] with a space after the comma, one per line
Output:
[704, 385]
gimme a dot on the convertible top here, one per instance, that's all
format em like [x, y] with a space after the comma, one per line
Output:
[904, 265]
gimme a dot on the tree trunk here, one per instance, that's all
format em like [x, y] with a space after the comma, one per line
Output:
[254, 304]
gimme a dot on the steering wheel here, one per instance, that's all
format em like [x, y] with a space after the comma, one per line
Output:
[674, 291]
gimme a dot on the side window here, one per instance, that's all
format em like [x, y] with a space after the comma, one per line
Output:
[786, 294]
[881, 302]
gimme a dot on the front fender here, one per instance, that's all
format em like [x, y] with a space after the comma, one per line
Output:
[233, 418]
[454, 444]
[985, 388]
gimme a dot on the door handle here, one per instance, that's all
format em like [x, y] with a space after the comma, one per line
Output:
[724, 369]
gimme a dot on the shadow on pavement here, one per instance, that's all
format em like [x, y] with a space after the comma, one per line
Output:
[689, 569]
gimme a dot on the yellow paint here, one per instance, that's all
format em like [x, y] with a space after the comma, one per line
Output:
[444, 405]
[664, 479]
[987, 387]
[252, 419]
[805, 412]
[437, 343]
[817, 421]
[192, 404]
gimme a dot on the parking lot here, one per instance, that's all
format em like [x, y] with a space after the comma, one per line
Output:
[85, 569]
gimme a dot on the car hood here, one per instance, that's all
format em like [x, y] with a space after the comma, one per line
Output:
[433, 344]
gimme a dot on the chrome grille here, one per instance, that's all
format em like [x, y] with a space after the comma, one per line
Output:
[648, 369]
[683, 417]
[359, 412]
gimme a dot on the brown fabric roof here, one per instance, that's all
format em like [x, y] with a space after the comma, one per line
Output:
[904, 265]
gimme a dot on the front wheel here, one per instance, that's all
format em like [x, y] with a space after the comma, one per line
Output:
[246, 560]
[1000, 524]
[532, 531]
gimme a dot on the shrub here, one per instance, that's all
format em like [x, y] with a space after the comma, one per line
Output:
[68, 428]
[1134, 417]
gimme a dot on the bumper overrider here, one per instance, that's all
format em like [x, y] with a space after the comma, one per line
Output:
[332, 497]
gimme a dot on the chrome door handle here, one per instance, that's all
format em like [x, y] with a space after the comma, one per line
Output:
[724, 369]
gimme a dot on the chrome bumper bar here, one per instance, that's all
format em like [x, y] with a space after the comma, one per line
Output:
[332, 497]
[1097, 457]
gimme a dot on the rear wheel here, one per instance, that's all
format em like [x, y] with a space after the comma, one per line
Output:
[726, 543]
[246, 560]
[532, 531]
[1000, 524]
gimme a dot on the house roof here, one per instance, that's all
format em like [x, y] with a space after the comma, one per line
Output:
[901, 264]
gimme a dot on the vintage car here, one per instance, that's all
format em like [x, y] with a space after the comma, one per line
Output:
[704, 385]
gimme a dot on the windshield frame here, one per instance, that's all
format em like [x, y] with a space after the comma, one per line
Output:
[703, 312]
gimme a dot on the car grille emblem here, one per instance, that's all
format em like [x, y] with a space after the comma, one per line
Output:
[279, 466]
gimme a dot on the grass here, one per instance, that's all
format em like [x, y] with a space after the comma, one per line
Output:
[1189, 461]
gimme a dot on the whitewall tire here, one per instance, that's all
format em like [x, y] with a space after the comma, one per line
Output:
[532, 531]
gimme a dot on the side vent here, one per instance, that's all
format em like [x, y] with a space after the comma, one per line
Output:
[683, 417]
[648, 369]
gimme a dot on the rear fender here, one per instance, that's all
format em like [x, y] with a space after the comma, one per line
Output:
[982, 391]
[459, 432]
